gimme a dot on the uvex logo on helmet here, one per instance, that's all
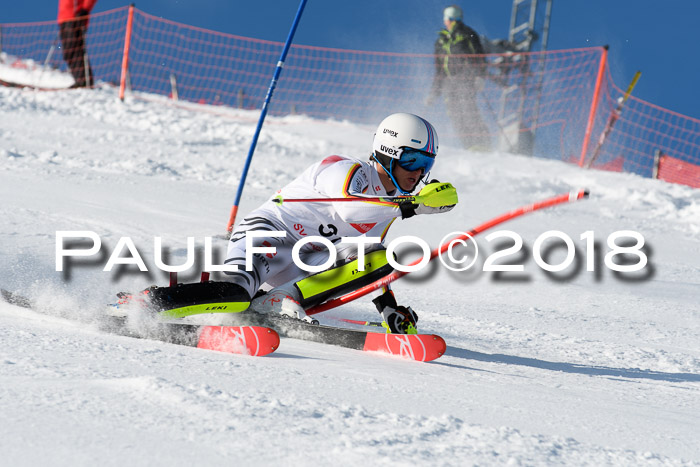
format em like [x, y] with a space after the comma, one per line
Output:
[389, 150]
[393, 133]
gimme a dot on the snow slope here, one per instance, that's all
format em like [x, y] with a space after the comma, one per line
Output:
[585, 368]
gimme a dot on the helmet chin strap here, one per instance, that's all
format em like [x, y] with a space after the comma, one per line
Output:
[390, 172]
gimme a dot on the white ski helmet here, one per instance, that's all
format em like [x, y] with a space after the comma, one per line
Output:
[452, 12]
[406, 140]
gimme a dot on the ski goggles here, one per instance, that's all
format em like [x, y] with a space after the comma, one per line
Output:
[414, 159]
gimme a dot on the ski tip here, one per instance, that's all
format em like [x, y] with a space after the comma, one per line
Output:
[579, 194]
[433, 347]
[274, 339]
[441, 346]
[418, 347]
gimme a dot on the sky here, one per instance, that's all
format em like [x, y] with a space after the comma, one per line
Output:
[654, 37]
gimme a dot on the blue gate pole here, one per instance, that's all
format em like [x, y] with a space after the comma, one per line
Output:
[263, 113]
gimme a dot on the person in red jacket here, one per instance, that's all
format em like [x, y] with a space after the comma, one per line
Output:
[73, 23]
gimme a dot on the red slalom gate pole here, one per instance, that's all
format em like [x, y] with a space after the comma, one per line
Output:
[125, 56]
[594, 104]
[560, 199]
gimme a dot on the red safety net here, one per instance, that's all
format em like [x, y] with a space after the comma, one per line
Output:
[677, 171]
[531, 103]
[38, 49]
[640, 131]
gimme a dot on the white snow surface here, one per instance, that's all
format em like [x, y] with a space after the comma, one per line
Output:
[590, 369]
[27, 72]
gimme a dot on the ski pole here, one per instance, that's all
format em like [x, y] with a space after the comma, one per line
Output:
[434, 195]
[373, 199]
[361, 292]
[613, 118]
[51, 49]
[48, 59]
[370, 199]
[263, 113]
[378, 324]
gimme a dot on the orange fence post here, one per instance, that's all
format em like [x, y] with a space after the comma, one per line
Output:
[594, 105]
[125, 58]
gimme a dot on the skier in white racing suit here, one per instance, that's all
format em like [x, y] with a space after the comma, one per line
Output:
[404, 150]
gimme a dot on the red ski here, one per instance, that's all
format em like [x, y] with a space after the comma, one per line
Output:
[245, 340]
[420, 347]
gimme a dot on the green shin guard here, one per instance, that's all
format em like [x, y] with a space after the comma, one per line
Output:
[337, 281]
[198, 298]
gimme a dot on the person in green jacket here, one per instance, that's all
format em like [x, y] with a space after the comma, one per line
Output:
[459, 71]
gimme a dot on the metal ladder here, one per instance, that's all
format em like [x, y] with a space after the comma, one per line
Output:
[527, 24]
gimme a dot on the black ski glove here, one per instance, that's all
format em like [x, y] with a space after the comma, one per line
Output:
[411, 209]
[399, 319]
